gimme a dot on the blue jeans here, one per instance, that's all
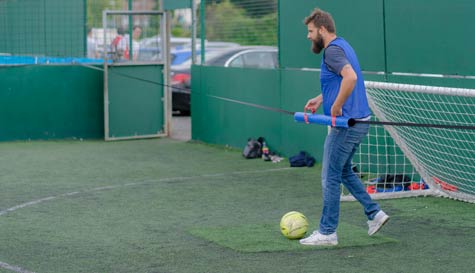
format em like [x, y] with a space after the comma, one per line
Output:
[340, 146]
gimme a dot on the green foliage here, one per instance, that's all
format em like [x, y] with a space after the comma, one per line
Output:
[228, 22]
[95, 8]
[251, 10]
[179, 31]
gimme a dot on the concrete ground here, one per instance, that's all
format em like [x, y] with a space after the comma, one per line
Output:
[181, 128]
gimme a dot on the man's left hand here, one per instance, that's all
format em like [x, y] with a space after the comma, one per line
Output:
[336, 111]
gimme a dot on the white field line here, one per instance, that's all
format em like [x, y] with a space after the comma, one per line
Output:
[18, 269]
[14, 268]
[169, 179]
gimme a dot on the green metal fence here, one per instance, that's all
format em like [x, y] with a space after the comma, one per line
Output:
[359, 22]
[50, 102]
[43, 28]
[397, 41]
[40, 31]
[45, 92]
[389, 37]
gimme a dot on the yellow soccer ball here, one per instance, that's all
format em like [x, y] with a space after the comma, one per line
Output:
[293, 225]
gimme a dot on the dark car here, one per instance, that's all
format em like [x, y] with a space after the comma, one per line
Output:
[264, 57]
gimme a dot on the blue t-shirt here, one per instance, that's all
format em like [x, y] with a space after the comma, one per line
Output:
[356, 106]
[335, 59]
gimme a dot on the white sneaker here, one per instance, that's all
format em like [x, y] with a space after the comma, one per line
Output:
[317, 239]
[377, 223]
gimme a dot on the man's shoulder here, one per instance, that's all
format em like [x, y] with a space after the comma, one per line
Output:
[334, 52]
[335, 57]
[334, 49]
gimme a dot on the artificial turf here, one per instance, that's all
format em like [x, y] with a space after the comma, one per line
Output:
[267, 238]
[162, 206]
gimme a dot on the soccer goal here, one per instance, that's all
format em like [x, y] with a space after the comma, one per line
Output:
[401, 160]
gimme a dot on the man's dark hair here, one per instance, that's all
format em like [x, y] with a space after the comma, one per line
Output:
[321, 18]
[121, 30]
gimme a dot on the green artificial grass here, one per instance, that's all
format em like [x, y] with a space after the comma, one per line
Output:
[267, 238]
[151, 206]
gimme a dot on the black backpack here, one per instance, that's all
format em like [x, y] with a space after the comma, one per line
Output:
[302, 159]
[390, 181]
[253, 148]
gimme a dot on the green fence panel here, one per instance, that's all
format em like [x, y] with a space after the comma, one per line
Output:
[50, 102]
[229, 123]
[297, 88]
[22, 20]
[197, 106]
[176, 4]
[223, 122]
[359, 22]
[430, 37]
[65, 27]
[43, 27]
[136, 106]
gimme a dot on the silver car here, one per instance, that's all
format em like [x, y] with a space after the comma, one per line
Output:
[262, 57]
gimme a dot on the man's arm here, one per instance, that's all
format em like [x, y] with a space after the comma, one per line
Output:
[314, 104]
[346, 88]
[336, 61]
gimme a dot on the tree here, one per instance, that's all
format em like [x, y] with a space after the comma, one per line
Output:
[252, 8]
[95, 8]
[258, 8]
[227, 22]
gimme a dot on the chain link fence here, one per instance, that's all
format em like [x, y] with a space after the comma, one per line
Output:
[58, 31]
[65, 32]
[245, 22]
[40, 28]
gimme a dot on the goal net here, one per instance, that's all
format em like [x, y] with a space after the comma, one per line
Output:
[401, 161]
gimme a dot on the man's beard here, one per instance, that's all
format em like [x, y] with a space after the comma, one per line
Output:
[317, 46]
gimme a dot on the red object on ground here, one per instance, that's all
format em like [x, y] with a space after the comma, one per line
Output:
[371, 189]
[444, 185]
[415, 186]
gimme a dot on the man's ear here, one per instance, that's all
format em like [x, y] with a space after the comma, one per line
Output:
[322, 30]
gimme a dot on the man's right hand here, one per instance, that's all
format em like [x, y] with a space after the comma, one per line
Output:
[313, 104]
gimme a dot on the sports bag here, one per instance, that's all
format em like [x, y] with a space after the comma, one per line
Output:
[253, 148]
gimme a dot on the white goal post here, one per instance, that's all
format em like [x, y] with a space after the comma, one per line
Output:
[397, 161]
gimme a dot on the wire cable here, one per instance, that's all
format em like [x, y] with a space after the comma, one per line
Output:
[278, 110]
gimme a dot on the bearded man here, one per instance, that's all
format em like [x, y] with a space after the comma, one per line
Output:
[343, 94]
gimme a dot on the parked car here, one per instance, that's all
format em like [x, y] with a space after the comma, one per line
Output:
[183, 54]
[263, 57]
[180, 56]
[210, 45]
[150, 48]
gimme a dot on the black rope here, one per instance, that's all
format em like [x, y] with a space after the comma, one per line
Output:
[278, 110]
[352, 122]
[413, 124]
[135, 78]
